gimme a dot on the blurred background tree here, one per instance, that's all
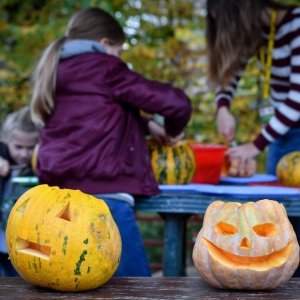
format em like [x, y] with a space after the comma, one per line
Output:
[165, 42]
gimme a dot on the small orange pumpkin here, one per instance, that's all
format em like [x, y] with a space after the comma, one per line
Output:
[288, 169]
[246, 246]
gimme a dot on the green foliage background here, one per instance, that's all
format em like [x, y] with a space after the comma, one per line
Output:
[165, 42]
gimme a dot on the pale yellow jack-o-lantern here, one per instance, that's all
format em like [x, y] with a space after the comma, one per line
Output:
[63, 239]
[246, 246]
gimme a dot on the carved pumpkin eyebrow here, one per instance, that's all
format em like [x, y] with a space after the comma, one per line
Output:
[225, 228]
[265, 230]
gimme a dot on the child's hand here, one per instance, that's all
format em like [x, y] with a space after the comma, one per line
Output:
[244, 154]
[159, 134]
[176, 139]
[4, 167]
[226, 124]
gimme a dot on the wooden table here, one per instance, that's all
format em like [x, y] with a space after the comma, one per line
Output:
[146, 288]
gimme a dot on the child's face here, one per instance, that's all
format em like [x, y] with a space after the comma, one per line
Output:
[21, 144]
[111, 48]
[115, 50]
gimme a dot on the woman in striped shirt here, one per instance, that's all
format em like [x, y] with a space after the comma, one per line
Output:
[236, 30]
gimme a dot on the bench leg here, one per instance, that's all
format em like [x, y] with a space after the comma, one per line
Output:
[174, 244]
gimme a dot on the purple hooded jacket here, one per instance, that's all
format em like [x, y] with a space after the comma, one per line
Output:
[95, 139]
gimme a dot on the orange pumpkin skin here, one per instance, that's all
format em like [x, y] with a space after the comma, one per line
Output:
[288, 169]
[246, 246]
[63, 239]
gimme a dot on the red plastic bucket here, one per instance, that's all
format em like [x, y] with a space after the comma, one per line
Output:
[209, 160]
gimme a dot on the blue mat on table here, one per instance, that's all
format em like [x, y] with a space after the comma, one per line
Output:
[230, 190]
[256, 178]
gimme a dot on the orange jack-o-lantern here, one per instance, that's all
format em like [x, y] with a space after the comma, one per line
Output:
[63, 239]
[246, 246]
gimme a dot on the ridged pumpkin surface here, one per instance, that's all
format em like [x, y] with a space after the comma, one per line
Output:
[172, 165]
[246, 246]
[63, 239]
[288, 169]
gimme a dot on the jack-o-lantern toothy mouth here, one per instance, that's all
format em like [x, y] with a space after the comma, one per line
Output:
[259, 263]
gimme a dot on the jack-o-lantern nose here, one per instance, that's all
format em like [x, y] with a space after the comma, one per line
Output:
[245, 243]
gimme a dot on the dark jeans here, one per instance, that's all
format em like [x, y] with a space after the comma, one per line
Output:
[133, 259]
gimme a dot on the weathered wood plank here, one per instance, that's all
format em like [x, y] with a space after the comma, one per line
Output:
[146, 288]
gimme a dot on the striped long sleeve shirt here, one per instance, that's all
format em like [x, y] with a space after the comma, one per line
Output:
[285, 81]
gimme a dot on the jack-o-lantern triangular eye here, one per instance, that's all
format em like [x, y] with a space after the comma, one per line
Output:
[65, 213]
[265, 230]
[225, 228]
[21, 208]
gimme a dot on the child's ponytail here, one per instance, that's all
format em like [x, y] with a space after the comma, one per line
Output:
[44, 79]
[89, 24]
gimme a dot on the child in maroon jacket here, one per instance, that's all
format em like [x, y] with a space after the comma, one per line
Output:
[93, 137]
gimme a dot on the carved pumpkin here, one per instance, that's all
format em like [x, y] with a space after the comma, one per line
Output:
[172, 165]
[288, 169]
[63, 239]
[231, 168]
[246, 246]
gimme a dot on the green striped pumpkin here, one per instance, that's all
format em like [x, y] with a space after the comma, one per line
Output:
[172, 165]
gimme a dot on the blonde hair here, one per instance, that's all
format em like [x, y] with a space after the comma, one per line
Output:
[90, 24]
[20, 120]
